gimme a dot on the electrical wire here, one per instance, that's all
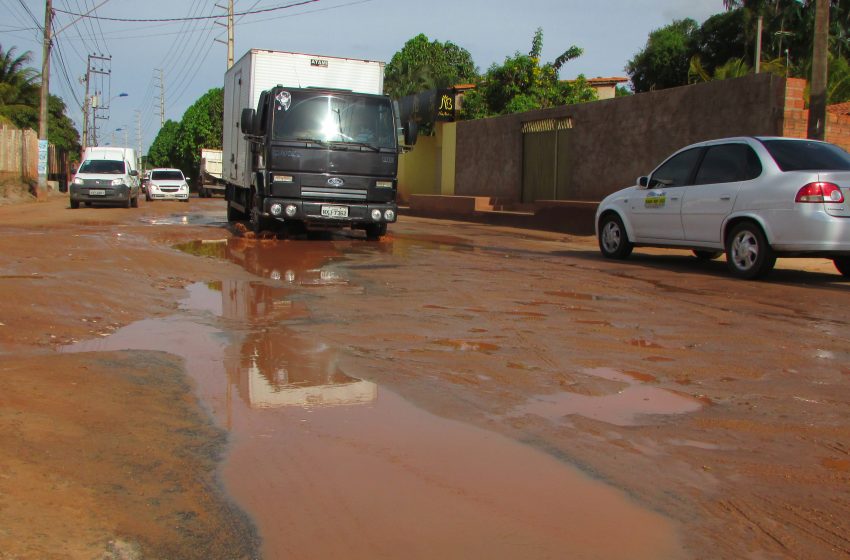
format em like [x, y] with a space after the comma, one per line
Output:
[264, 10]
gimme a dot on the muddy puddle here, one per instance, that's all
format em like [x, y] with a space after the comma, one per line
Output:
[332, 465]
[631, 404]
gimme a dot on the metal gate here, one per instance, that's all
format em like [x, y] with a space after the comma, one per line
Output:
[545, 159]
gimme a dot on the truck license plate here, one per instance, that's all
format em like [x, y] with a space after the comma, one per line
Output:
[97, 192]
[335, 211]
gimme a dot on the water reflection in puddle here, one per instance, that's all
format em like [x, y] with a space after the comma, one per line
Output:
[627, 407]
[290, 262]
[330, 466]
[185, 220]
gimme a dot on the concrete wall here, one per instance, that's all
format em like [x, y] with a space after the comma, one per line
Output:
[615, 140]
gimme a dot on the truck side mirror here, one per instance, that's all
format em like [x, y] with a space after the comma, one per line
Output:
[643, 181]
[246, 123]
[411, 133]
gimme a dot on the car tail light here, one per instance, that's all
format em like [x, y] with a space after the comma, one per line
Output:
[820, 192]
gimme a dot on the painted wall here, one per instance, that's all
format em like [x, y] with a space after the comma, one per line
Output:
[614, 141]
[430, 167]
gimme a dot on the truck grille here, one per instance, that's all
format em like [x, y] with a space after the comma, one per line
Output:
[324, 193]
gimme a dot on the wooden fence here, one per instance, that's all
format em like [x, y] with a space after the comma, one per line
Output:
[18, 154]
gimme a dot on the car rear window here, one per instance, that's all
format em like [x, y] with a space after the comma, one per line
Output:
[166, 176]
[805, 155]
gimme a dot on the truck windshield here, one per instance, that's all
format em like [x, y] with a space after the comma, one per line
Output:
[102, 166]
[353, 119]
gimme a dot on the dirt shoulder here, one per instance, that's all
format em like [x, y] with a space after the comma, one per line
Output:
[105, 455]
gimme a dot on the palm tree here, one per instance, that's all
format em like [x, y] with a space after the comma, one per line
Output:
[18, 84]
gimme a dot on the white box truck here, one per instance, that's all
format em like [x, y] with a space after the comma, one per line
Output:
[310, 142]
[209, 177]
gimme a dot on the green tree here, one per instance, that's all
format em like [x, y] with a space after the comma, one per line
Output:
[665, 60]
[18, 85]
[179, 144]
[163, 151]
[422, 64]
[20, 101]
[200, 127]
[522, 83]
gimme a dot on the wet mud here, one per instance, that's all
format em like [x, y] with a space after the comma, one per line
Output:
[468, 393]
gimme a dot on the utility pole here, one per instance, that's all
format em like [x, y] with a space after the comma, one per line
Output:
[86, 106]
[161, 98]
[139, 138]
[817, 92]
[45, 91]
[759, 24]
[229, 26]
[89, 103]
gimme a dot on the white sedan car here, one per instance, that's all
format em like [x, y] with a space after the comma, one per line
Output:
[755, 199]
[167, 184]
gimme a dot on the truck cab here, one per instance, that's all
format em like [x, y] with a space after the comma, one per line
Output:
[319, 158]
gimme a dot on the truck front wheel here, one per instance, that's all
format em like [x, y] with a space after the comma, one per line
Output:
[375, 231]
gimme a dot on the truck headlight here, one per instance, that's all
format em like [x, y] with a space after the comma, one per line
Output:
[376, 215]
[117, 182]
[389, 215]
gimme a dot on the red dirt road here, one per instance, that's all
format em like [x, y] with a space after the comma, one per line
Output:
[453, 391]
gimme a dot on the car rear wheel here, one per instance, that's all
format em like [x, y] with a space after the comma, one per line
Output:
[707, 255]
[613, 240]
[843, 265]
[748, 254]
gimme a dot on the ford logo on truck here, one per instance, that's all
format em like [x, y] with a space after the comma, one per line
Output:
[336, 182]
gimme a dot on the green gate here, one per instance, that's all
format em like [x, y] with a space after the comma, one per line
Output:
[545, 159]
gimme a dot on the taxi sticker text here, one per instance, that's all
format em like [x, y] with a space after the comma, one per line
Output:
[655, 201]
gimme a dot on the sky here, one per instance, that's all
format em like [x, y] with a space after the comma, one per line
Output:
[191, 61]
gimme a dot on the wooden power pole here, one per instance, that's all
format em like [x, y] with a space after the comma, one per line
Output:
[817, 95]
[45, 92]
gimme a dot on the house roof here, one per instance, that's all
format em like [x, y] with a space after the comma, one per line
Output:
[602, 82]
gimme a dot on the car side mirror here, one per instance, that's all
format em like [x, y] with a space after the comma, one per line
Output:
[643, 181]
[134, 173]
[246, 123]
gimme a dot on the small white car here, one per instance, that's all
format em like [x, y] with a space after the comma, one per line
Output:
[167, 184]
[754, 198]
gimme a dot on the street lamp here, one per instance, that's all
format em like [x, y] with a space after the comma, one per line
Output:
[123, 129]
[95, 105]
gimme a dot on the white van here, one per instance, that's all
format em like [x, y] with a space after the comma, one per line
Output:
[107, 175]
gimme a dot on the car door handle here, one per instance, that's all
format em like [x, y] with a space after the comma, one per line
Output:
[726, 197]
[674, 198]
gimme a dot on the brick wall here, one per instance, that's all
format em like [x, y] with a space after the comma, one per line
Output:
[797, 116]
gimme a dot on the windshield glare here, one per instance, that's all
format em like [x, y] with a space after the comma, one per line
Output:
[335, 118]
[806, 155]
[102, 166]
[166, 176]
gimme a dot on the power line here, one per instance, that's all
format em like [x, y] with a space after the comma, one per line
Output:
[30, 14]
[265, 10]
